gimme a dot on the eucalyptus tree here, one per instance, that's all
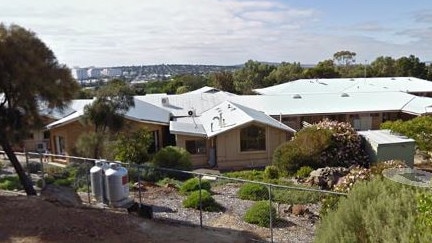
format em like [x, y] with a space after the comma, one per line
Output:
[30, 76]
[106, 112]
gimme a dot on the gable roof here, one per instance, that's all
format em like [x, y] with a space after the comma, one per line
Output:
[142, 111]
[338, 85]
[222, 118]
[179, 105]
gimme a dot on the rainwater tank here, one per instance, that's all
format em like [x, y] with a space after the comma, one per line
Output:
[97, 180]
[116, 183]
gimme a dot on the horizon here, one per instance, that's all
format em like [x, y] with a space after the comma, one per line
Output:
[224, 32]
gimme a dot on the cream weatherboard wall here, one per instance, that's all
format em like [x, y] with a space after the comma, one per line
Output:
[228, 153]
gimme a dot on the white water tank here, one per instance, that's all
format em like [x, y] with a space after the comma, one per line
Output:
[116, 183]
[97, 180]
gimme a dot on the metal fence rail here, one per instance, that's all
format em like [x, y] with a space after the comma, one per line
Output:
[167, 202]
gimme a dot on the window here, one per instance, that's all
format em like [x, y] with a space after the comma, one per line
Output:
[252, 138]
[196, 146]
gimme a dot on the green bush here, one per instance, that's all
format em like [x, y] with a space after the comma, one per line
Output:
[259, 214]
[374, 211]
[172, 157]
[271, 172]
[193, 184]
[10, 183]
[252, 175]
[288, 158]
[424, 208]
[207, 201]
[304, 172]
[253, 191]
[63, 182]
[295, 196]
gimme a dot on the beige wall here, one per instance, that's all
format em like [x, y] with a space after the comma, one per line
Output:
[228, 154]
[72, 131]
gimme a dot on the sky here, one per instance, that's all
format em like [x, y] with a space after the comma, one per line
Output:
[223, 32]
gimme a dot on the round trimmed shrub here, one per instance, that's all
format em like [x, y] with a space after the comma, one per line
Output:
[259, 214]
[254, 192]
[208, 202]
[173, 157]
[271, 172]
[193, 184]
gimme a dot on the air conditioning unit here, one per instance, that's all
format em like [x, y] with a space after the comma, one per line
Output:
[165, 101]
[191, 113]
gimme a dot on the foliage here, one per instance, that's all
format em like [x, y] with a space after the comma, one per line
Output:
[253, 191]
[355, 175]
[304, 172]
[419, 129]
[286, 196]
[32, 82]
[207, 201]
[170, 181]
[271, 172]
[90, 145]
[424, 208]
[133, 148]
[346, 149]
[252, 175]
[375, 211]
[223, 81]
[10, 183]
[285, 72]
[259, 214]
[324, 69]
[172, 157]
[193, 184]
[251, 76]
[378, 168]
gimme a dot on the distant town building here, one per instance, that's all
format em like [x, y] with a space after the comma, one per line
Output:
[94, 72]
[111, 72]
[79, 73]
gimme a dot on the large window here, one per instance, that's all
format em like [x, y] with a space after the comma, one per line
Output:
[196, 146]
[252, 138]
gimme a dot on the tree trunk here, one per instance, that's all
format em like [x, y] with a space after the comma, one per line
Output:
[25, 181]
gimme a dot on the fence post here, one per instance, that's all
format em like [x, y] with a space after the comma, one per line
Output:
[27, 164]
[42, 170]
[139, 183]
[88, 182]
[200, 201]
[271, 215]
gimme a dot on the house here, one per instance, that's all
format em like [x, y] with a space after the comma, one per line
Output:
[66, 131]
[230, 136]
[236, 131]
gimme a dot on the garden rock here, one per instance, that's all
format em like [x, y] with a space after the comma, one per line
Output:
[326, 177]
[299, 209]
[62, 195]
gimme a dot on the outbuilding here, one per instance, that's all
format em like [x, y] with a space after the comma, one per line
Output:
[382, 145]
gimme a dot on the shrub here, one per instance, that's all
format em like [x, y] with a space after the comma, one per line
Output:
[288, 158]
[253, 191]
[259, 214]
[252, 175]
[34, 167]
[10, 183]
[379, 167]
[271, 172]
[207, 201]
[295, 196]
[63, 182]
[304, 172]
[193, 184]
[173, 157]
[424, 208]
[374, 211]
[133, 147]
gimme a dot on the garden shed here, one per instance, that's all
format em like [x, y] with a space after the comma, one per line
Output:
[382, 145]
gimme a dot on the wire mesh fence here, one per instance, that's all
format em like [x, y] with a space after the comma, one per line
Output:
[270, 212]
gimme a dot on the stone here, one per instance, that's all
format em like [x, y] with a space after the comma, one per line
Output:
[299, 209]
[62, 195]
